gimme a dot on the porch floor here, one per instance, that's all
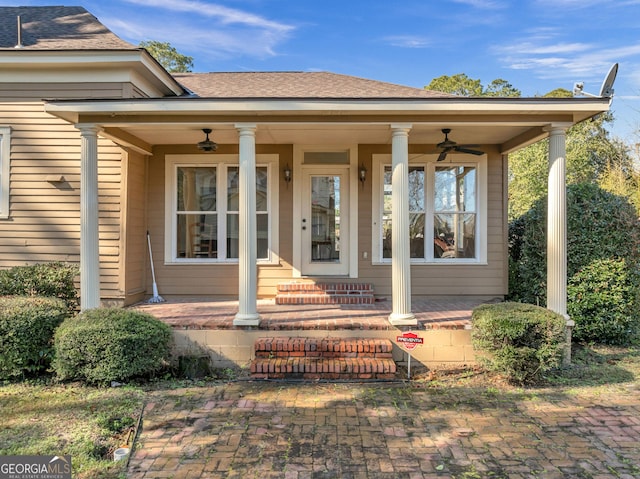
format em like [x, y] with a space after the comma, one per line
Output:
[203, 313]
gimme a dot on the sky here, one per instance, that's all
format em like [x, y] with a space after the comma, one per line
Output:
[536, 45]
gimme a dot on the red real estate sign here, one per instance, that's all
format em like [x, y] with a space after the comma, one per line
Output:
[409, 340]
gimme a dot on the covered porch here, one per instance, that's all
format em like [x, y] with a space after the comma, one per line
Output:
[396, 189]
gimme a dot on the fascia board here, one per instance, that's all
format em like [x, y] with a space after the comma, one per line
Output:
[578, 108]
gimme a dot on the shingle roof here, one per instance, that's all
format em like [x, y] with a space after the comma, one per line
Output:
[57, 28]
[295, 85]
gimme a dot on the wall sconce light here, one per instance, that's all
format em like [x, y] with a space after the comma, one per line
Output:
[206, 144]
[362, 174]
[287, 174]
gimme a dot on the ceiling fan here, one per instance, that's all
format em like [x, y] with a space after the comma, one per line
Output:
[448, 146]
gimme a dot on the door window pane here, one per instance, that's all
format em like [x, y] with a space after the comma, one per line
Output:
[325, 218]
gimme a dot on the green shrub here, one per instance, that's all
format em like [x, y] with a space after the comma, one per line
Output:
[54, 280]
[26, 333]
[604, 302]
[518, 340]
[103, 345]
[601, 228]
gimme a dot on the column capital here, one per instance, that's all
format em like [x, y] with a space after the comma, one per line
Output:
[401, 127]
[246, 127]
[557, 126]
[88, 128]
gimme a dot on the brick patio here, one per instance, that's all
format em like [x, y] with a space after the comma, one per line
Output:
[199, 313]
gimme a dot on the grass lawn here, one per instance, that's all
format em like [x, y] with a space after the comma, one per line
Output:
[89, 423]
[86, 423]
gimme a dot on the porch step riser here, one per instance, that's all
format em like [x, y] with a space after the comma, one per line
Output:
[326, 358]
[324, 299]
[324, 287]
[323, 368]
[325, 293]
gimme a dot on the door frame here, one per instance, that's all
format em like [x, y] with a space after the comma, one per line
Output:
[299, 172]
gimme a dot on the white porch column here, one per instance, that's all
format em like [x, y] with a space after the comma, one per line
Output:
[557, 229]
[247, 255]
[89, 239]
[400, 253]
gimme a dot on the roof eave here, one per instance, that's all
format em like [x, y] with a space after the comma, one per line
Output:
[580, 109]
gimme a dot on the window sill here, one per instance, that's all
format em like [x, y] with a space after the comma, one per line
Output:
[448, 262]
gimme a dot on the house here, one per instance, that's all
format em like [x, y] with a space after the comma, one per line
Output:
[315, 176]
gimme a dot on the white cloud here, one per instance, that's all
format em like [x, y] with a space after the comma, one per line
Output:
[407, 41]
[224, 32]
[548, 58]
[483, 4]
[224, 14]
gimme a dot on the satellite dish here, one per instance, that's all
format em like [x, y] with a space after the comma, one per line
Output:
[606, 90]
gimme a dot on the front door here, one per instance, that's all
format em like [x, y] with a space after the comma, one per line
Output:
[325, 222]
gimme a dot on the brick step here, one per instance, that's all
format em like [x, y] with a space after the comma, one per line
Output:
[324, 293]
[323, 368]
[325, 299]
[328, 288]
[323, 358]
[323, 347]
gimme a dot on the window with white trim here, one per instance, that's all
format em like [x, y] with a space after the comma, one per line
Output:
[5, 151]
[446, 202]
[203, 199]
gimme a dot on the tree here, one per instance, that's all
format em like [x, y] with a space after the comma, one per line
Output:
[461, 85]
[168, 56]
[592, 156]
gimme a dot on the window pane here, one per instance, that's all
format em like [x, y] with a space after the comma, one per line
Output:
[263, 236]
[416, 235]
[233, 190]
[233, 233]
[386, 238]
[197, 236]
[387, 190]
[261, 189]
[196, 189]
[416, 188]
[455, 188]
[454, 236]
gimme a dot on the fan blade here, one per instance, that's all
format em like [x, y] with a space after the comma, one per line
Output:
[471, 152]
[443, 155]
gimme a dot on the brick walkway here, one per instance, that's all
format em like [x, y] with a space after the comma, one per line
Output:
[394, 431]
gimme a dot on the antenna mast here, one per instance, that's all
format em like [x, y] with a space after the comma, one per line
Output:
[19, 44]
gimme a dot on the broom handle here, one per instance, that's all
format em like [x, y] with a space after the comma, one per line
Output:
[153, 273]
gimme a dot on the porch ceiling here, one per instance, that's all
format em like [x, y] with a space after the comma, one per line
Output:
[507, 123]
[338, 134]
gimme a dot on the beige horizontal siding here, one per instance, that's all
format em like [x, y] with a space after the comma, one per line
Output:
[44, 222]
[134, 257]
[37, 91]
